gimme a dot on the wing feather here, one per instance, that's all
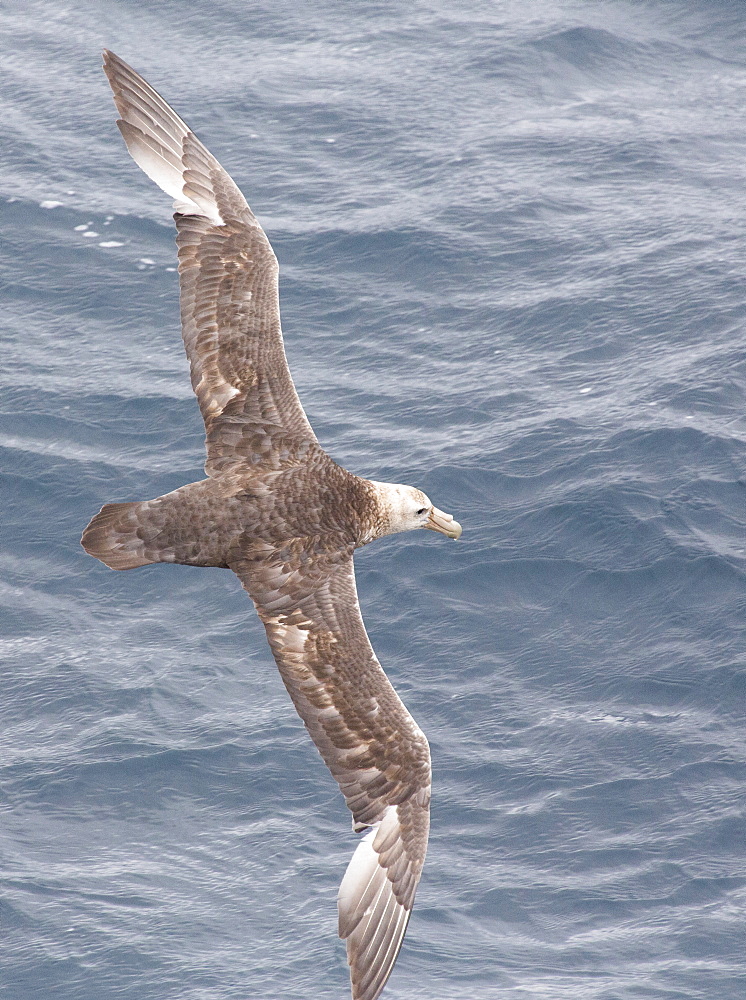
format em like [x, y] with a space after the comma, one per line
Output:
[228, 274]
[306, 597]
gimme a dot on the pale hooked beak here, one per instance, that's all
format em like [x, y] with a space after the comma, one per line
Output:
[438, 520]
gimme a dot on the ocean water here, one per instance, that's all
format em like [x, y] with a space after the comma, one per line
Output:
[512, 250]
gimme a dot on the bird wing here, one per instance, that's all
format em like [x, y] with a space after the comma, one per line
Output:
[307, 599]
[230, 312]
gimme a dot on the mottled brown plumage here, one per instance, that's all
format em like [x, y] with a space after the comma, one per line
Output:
[286, 519]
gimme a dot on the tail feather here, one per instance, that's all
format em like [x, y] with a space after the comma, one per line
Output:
[194, 525]
[115, 536]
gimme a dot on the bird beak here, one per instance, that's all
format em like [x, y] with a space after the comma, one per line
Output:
[444, 523]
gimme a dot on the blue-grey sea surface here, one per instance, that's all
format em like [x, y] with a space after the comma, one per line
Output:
[512, 240]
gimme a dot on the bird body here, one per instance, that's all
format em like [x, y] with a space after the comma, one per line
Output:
[286, 518]
[210, 522]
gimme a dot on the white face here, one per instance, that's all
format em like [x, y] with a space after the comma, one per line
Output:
[408, 508]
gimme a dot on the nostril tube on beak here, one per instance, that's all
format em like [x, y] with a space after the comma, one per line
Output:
[444, 523]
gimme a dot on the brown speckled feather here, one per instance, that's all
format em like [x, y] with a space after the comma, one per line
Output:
[279, 512]
[230, 312]
[305, 595]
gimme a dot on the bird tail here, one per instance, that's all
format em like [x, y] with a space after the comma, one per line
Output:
[115, 536]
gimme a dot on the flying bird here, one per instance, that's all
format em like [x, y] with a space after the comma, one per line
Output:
[280, 513]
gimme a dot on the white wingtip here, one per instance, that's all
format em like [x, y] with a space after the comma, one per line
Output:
[159, 142]
[371, 918]
[360, 874]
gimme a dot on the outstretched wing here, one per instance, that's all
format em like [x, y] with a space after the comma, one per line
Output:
[307, 599]
[230, 313]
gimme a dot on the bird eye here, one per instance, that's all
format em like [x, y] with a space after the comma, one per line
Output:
[422, 510]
